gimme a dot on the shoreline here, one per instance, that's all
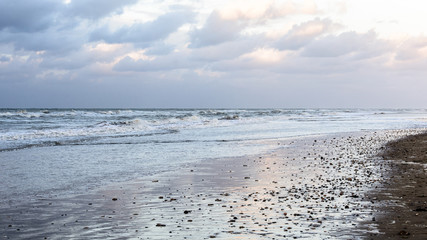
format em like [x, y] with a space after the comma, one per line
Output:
[310, 187]
[402, 202]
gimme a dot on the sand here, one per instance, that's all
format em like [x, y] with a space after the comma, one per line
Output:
[402, 202]
[320, 187]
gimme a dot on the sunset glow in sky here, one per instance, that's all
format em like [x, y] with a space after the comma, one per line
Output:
[185, 53]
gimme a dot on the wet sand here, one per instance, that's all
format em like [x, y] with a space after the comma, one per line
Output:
[310, 187]
[403, 200]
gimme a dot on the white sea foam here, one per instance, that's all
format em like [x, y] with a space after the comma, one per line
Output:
[37, 127]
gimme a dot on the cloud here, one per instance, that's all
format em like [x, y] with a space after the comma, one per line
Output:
[191, 59]
[88, 55]
[35, 16]
[52, 26]
[18, 70]
[161, 63]
[94, 9]
[327, 54]
[412, 48]
[262, 11]
[159, 48]
[82, 53]
[302, 34]
[5, 58]
[216, 30]
[37, 26]
[357, 45]
[228, 50]
[144, 33]
[28, 15]
[226, 24]
[261, 58]
[69, 62]
[48, 40]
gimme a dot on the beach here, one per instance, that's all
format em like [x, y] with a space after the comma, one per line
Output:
[402, 202]
[251, 120]
[317, 187]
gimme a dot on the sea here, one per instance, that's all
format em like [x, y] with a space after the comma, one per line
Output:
[46, 153]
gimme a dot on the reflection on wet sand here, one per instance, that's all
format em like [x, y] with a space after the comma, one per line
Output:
[309, 188]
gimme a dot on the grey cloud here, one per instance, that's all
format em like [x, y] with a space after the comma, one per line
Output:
[216, 30]
[17, 71]
[49, 40]
[328, 55]
[318, 66]
[359, 45]
[144, 32]
[326, 67]
[82, 58]
[65, 63]
[228, 50]
[37, 26]
[302, 34]
[94, 9]
[4, 59]
[28, 15]
[192, 58]
[34, 16]
[51, 25]
[159, 48]
[162, 63]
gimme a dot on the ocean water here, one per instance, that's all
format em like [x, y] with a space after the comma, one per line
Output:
[56, 152]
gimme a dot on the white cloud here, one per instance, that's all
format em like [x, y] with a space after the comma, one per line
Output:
[144, 32]
[302, 34]
[227, 23]
[94, 9]
[412, 48]
[206, 49]
[227, 50]
[261, 11]
[365, 45]
[216, 30]
[160, 63]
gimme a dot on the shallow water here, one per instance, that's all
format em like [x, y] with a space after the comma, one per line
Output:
[308, 188]
[46, 153]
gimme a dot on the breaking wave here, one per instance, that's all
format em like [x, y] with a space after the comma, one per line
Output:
[21, 128]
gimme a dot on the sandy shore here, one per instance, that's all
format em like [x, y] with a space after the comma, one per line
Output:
[402, 203]
[313, 187]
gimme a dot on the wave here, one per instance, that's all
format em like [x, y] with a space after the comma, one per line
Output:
[37, 127]
[156, 115]
[133, 122]
[23, 114]
[112, 140]
[232, 117]
[83, 140]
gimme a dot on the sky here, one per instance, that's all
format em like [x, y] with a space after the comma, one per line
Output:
[213, 54]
